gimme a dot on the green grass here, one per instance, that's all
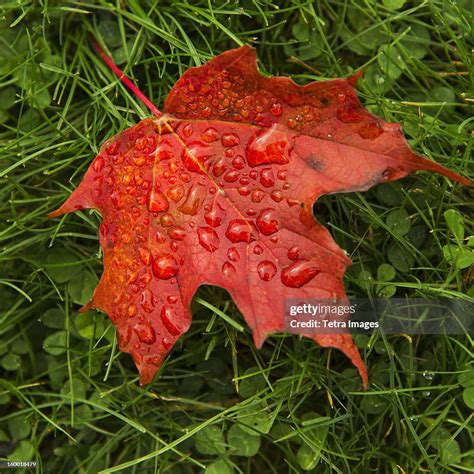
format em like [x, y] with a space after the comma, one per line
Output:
[71, 401]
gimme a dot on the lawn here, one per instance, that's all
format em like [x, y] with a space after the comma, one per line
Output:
[71, 401]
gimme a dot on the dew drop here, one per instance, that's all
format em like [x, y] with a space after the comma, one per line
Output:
[185, 178]
[276, 109]
[428, 375]
[294, 253]
[243, 191]
[276, 196]
[229, 152]
[164, 151]
[168, 317]
[139, 160]
[210, 135]
[266, 177]
[146, 301]
[251, 212]
[228, 270]
[267, 222]
[231, 176]
[282, 174]
[370, 131]
[146, 145]
[219, 168]
[173, 167]
[172, 299]
[257, 195]
[239, 230]
[112, 149]
[267, 146]
[230, 139]
[194, 155]
[166, 220]
[194, 199]
[117, 201]
[157, 202]
[98, 163]
[165, 342]
[175, 193]
[299, 273]
[177, 233]
[215, 217]
[164, 267]
[258, 249]
[233, 254]
[187, 130]
[291, 123]
[145, 333]
[145, 256]
[253, 174]
[266, 270]
[208, 239]
[160, 237]
[132, 311]
[238, 162]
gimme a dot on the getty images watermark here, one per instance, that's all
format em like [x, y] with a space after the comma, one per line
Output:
[390, 316]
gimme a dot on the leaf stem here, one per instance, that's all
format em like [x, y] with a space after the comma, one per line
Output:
[124, 79]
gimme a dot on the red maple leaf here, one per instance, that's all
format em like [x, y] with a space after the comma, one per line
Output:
[219, 190]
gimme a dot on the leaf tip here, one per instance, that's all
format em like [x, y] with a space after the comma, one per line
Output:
[352, 80]
[346, 345]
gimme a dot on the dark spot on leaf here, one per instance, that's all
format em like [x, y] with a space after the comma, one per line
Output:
[315, 163]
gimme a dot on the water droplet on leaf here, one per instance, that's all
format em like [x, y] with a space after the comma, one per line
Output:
[228, 270]
[168, 317]
[267, 222]
[239, 231]
[208, 239]
[298, 273]
[267, 146]
[266, 270]
[164, 267]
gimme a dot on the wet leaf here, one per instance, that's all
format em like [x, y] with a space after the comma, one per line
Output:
[219, 190]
